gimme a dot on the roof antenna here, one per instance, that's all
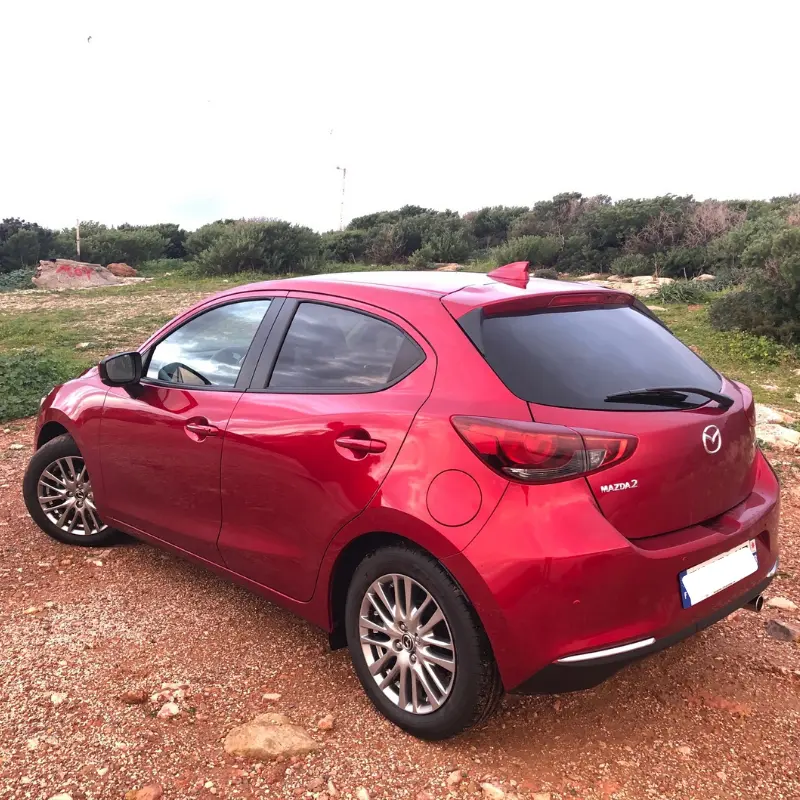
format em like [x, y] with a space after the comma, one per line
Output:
[515, 274]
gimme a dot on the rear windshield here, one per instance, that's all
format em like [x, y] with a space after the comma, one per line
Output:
[575, 358]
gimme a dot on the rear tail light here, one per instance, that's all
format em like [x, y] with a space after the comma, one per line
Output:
[533, 452]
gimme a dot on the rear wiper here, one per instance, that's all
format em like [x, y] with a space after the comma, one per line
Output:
[669, 395]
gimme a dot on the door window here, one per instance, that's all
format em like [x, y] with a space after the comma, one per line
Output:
[333, 349]
[210, 348]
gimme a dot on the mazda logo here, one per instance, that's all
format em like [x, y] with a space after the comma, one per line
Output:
[712, 439]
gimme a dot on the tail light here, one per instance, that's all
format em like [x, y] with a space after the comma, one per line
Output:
[537, 453]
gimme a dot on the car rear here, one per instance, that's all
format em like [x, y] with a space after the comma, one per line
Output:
[639, 508]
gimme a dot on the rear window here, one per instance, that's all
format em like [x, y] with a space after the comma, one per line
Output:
[575, 358]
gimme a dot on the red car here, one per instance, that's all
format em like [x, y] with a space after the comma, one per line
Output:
[477, 483]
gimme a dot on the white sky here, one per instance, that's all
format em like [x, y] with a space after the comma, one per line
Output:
[187, 112]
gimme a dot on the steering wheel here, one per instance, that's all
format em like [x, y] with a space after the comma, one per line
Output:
[230, 355]
[178, 373]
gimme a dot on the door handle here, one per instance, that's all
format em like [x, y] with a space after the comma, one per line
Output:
[361, 445]
[202, 430]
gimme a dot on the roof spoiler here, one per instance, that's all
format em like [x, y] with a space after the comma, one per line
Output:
[515, 274]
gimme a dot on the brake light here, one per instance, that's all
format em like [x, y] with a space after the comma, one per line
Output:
[591, 299]
[533, 452]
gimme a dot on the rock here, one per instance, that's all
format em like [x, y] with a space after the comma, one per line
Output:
[590, 277]
[168, 710]
[271, 696]
[784, 631]
[315, 785]
[362, 793]
[121, 270]
[326, 723]
[57, 698]
[684, 750]
[269, 736]
[783, 603]
[332, 790]
[639, 280]
[657, 308]
[448, 267]
[33, 610]
[778, 436]
[83, 345]
[540, 796]
[63, 273]
[492, 792]
[704, 277]
[423, 796]
[769, 415]
[134, 697]
[152, 791]
[768, 387]
[455, 777]
[60, 796]
[102, 772]
[16, 446]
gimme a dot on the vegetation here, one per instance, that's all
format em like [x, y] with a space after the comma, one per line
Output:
[25, 375]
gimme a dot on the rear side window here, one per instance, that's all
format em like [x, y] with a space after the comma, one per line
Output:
[333, 349]
[575, 358]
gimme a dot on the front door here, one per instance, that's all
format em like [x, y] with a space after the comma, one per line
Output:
[161, 442]
[308, 448]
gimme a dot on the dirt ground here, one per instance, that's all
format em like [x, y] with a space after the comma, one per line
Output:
[717, 716]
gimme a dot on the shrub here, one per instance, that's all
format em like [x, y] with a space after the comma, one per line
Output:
[631, 265]
[205, 236]
[542, 250]
[344, 246]
[384, 245]
[26, 375]
[548, 273]
[273, 247]
[422, 258]
[18, 279]
[684, 262]
[130, 245]
[159, 266]
[175, 236]
[681, 292]
[490, 225]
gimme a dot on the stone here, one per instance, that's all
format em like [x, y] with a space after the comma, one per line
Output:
[783, 603]
[269, 736]
[768, 387]
[783, 631]
[315, 785]
[657, 308]
[455, 777]
[64, 273]
[16, 446]
[121, 270]
[271, 696]
[778, 436]
[685, 750]
[152, 791]
[332, 790]
[423, 796]
[704, 277]
[362, 793]
[57, 698]
[326, 723]
[60, 796]
[168, 710]
[592, 276]
[134, 697]
[638, 280]
[492, 792]
[769, 415]
[448, 267]
[540, 796]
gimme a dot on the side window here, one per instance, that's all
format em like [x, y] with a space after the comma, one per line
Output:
[210, 348]
[329, 348]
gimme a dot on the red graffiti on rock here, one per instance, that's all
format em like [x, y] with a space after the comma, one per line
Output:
[74, 272]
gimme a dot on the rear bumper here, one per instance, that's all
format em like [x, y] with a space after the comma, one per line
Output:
[551, 578]
[571, 676]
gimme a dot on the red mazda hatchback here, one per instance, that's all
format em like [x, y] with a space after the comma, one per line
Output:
[477, 483]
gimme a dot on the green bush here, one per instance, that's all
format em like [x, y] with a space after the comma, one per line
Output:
[129, 245]
[344, 246]
[205, 236]
[684, 262]
[689, 292]
[18, 279]
[159, 266]
[25, 376]
[631, 265]
[539, 250]
[273, 247]
[548, 273]
[384, 245]
[490, 225]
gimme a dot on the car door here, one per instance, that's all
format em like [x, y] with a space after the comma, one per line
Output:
[161, 441]
[311, 441]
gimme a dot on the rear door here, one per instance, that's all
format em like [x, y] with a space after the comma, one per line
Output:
[692, 462]
[310, 443]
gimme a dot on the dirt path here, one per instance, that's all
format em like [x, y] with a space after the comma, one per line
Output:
[715, 717]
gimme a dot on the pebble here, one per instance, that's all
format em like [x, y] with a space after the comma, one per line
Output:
[168, 710]
[152, 791]
[784, 631]
[455, 777]
[783, 603]
[271, 696]
[60, 796]
[424, 796]
[362, 793]
[492, 792]
[332, 790]
[541, 796]
[134, 697]
[16, 446]
[326, 723]
[315, 785]
[57, 698]
[685, 750]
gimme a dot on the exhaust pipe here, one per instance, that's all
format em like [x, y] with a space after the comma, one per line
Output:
[756, 604]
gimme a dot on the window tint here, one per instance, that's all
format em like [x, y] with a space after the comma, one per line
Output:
[577, 358]
[328, 348]
[210, 348]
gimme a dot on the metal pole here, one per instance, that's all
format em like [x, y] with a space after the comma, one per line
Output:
[78, 237]
[341, 207]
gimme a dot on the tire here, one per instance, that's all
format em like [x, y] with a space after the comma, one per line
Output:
[57, 457]
[471, 681]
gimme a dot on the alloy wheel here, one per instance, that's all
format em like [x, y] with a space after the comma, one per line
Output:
[65, 496]
[407, 644]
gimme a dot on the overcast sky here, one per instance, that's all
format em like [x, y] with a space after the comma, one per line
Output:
[188, 112]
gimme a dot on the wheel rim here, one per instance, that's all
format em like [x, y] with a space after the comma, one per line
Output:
[66, 497]
[407, 644]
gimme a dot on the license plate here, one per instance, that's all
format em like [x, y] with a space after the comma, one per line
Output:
[704, 580]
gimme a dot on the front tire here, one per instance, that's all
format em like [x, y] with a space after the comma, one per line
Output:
[58, 495]
[417, 645]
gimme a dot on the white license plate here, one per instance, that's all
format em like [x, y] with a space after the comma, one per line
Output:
[712, 576]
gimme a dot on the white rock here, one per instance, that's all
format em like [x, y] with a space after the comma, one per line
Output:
[769, 387]
[32, 744]
[684, 750]
[168, 710]
[271, 696]
[783, 603]
[777, 436]
[60, 796]
[492, 792]
[704, 277]
[541, 796]
[326, 723]
[269, 736]
[362, 793]
[638, 280]
[768, 415]
[590, 277]
[16, 446]
[57, 698]
[657, 308]
[455, 777]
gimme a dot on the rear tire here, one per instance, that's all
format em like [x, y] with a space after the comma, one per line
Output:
[410, 654]
[58, 495]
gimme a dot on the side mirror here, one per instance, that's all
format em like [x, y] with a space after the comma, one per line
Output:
[123, 369]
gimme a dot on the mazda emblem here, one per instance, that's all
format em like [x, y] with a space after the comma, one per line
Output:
[712, 439]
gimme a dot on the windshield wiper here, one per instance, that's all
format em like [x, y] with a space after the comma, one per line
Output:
[669, 395]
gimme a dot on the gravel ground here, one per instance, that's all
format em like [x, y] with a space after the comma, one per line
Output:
[714, 717]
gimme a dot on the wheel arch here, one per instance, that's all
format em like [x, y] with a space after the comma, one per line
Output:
[50, 430]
